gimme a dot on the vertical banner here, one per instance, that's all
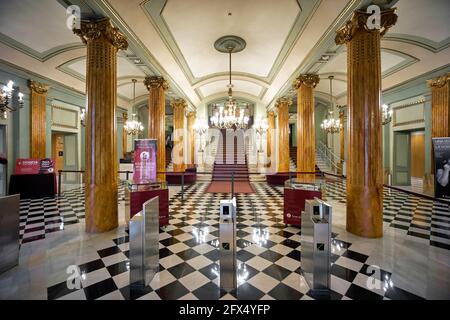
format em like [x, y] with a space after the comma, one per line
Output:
[441, 147]
[144, 160]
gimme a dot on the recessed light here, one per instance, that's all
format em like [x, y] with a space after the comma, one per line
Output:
[137, 61]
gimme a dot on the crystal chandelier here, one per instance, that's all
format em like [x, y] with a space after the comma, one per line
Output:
[6, 95]
[331, 125]
[230, 116]
[386, 112]
[133, 127]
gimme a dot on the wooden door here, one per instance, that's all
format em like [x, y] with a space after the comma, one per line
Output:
[58, 150]
[417, 154]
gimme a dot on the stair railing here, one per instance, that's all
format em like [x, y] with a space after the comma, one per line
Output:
[333, 161]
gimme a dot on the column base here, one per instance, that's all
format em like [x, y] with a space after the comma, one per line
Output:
[365, 211]
[101, 208]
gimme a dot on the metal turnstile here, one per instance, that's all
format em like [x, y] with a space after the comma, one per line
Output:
[227, 245]
[144, 245]
[9, 232]
[316, 245]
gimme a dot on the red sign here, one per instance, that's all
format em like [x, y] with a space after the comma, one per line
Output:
[34, 166]
[144, 160]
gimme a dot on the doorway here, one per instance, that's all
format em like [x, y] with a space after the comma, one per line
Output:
[417, 158]
[409, 158]
[65, 154]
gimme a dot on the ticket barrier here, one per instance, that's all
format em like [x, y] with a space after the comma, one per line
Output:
[227, 245]
[144, 245]
[316, 245]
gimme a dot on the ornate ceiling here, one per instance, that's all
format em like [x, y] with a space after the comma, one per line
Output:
[175, 38]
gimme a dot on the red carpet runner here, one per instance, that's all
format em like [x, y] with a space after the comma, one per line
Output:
[227, 162]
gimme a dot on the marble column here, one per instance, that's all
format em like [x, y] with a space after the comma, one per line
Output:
[270, 136]
[283, 105]
[306, 138]
[191, 136]
[102, 41]
[179, 135]
[440, 106]
[440, 119]
[156, 86]
[38, 119]
[365, 152]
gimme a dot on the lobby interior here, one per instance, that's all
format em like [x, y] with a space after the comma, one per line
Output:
[244, 99]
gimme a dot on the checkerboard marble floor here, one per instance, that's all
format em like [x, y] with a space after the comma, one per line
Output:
[403, 265]
[417, 217]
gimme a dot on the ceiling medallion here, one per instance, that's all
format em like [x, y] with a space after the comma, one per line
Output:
[225, 43]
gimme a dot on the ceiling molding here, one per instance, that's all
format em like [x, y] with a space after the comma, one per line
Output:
[427, 44]
[154, 9]
[235, 75]
[103, 8]
[321, 47]
[40, 56]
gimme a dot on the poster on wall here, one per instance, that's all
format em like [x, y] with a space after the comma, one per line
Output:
[144, 160]
[441, 147]
[34, 166]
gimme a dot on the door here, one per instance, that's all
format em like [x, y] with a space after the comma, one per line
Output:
[417, 154]
[58, 150]
[71, 157]
[402, 159]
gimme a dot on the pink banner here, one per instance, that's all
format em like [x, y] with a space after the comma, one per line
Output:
[34, 166]
[144, 160]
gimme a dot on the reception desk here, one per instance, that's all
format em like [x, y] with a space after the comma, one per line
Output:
[33, 186]
[139, 192]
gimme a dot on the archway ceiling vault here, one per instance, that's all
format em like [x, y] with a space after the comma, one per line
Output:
[174, 38]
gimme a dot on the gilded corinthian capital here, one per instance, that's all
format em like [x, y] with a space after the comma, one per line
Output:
[359, 22]
[283, 100]
[178, 103]
[38, 87]
[439, 82]
[95, 29]
[308, 80]
[153, 82]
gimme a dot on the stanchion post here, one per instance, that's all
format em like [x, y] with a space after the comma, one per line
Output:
[127, 175]
[59, 183]
[232, 185]
[182, 187]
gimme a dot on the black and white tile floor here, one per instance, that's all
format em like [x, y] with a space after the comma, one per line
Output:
[269, 252]
[417, 217]
[269, 255]
[41, 216]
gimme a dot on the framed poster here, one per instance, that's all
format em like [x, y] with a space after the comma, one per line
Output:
[441, 147]
[144, 162]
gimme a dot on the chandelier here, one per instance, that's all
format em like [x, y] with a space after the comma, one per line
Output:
[230, 115]
[386, 113]
[133, 127]
[6, 99]
[331, 125]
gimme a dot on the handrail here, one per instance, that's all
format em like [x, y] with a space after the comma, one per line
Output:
[331, 159]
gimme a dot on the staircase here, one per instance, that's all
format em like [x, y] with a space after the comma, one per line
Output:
[229, 161]
[293, 160]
